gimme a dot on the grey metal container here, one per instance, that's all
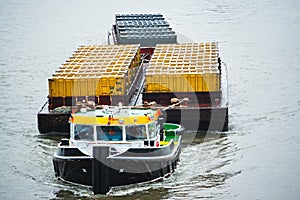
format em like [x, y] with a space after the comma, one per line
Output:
[145, 29]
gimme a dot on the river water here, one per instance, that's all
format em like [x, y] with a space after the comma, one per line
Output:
[258, 39]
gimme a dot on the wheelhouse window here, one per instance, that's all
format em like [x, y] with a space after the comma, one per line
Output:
[109, 133]
[136, 132]
[84, 132]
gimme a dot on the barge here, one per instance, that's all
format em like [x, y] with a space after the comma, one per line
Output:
[114, 146]
[101, 74]
[187, 80]
[188, 75]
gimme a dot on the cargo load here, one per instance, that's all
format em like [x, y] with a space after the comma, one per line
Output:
[144, 29]
[95, 71]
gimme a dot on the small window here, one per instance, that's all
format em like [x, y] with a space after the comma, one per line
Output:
[84, 132]
[152, 130]
[136, 132]
[109, 133]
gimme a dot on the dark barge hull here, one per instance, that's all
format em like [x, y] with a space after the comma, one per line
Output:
[52, 123]
[202, 119]
[202, 111]
[192, 118]
[103, 171]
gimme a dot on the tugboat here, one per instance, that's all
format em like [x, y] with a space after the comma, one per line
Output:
[117, 145]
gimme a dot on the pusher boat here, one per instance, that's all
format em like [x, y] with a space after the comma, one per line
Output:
[117, 145]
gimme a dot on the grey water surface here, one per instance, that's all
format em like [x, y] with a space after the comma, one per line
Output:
[259, 158]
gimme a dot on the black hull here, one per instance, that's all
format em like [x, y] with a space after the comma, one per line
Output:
[74, 170]
[53, 123]
[102, 170]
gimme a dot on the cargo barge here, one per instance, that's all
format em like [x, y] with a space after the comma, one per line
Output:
[178, 71]
[187, 80]
[93, 75]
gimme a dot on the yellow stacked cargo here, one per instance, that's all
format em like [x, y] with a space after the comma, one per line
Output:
[185, 67]
[96, 70]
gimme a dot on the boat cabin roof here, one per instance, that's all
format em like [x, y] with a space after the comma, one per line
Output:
[115, 116]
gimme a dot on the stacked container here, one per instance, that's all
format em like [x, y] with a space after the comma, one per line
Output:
[184, 70]
[144, 29]
[95, 71]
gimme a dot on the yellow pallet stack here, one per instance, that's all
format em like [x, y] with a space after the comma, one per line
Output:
[185, 67]
[96, 70]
